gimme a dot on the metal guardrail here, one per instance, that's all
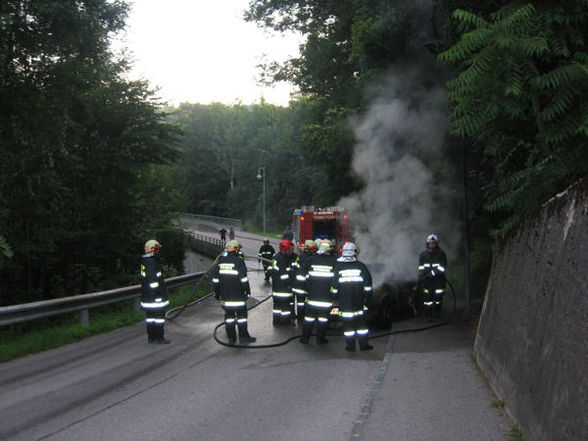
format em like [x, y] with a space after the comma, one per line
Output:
[24, 312]
[214, 220]
[208, 239]
[84, 302]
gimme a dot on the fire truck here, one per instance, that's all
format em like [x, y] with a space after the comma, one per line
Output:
[321, 223]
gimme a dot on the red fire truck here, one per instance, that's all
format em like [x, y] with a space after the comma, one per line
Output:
[321, 223]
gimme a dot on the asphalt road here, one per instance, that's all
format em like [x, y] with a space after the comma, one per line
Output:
[416, 386]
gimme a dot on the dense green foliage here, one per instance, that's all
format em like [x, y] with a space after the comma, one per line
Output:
[223, 148]
[81, 148]
[520, 101]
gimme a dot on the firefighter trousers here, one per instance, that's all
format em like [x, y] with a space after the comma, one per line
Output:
[283, 306]
[355, 326]
[154, 322]
[236, 317]
[318, 315]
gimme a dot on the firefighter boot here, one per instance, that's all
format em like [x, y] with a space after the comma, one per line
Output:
[350, 344]
[231, 332]
[244, 336]
[306, 332]
[363, 343]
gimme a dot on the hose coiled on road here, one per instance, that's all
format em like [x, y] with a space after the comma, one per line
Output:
[170, 314]
[285, 342]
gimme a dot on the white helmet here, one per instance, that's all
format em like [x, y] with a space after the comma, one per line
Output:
[349, 250]
[432, 238]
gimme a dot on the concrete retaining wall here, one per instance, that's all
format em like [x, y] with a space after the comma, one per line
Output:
[532, 340]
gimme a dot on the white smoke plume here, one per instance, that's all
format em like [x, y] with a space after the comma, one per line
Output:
[402, 201]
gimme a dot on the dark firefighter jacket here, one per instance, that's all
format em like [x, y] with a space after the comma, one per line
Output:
[283, 268]
[351, 285]
[154, 293]
[266, 252]
[230, 281]
[299, 286]
[318, 273]
[432, 268]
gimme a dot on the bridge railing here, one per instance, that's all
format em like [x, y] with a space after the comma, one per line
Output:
[84, 302]
[216, 221]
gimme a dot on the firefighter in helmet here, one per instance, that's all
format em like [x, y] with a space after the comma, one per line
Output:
[318, 273]
[154, 294]
[351, 285]
[266, 252]
[432, 268]
[310, 249]
[231, 287]
[283, 268]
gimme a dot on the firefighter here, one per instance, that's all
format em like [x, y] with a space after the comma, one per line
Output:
[351, 285]
[154, 295]
[267, 252]
[432, 268]
[310, 249]
[282, 280]
[231, 287]
[318, 273]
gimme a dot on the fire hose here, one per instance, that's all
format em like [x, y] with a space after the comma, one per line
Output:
[190, 303]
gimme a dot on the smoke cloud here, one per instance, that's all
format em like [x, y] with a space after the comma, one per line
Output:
[399, 155]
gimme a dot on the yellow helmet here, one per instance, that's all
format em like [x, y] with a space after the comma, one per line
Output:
[152, 246]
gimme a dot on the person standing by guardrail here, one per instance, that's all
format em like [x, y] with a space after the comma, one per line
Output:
[223, 234]
[154, 294]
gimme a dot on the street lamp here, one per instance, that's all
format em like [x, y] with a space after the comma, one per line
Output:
[261, 177]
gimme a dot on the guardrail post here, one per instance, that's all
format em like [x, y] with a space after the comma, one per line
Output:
[137, 304]
[85, 317]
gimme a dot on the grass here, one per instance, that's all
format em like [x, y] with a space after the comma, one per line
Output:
[41, 335]
[516, 434]
[497, 404]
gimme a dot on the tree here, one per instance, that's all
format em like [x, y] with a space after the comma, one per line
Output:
[520, 99]
[78, 144]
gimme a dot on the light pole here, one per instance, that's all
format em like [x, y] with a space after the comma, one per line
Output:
[261, 177]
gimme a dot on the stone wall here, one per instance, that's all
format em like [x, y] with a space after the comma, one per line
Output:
[532, 339]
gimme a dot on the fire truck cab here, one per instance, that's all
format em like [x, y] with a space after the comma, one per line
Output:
[321, 223]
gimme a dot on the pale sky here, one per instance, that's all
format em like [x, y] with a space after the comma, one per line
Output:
[201, 51]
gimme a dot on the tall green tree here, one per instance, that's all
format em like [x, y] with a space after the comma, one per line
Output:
[519, 99]
[223, 148]
[79, 144]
